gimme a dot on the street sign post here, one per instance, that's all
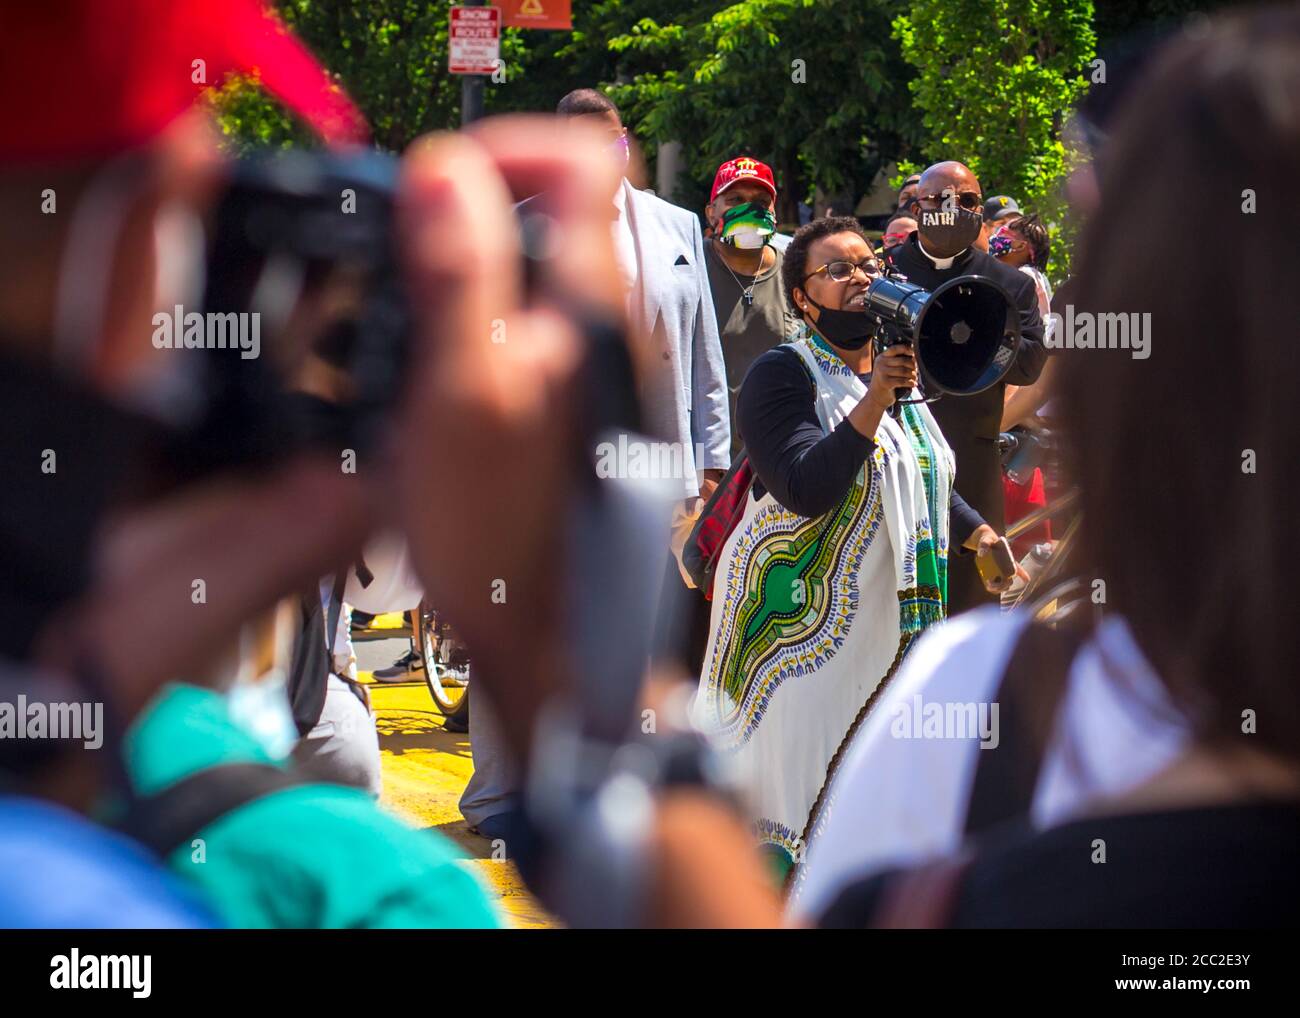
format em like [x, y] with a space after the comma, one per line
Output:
[473, 49]
[474, 41]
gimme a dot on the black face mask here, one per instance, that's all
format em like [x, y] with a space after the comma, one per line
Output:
[849, 330]
[946, 233]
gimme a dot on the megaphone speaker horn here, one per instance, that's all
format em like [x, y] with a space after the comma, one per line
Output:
[967, 335]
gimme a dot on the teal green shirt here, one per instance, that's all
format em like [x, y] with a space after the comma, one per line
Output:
[322, 856]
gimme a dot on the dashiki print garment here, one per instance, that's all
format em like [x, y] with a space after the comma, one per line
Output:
[812, 616]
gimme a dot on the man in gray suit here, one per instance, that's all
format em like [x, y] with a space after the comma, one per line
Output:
[660, 251]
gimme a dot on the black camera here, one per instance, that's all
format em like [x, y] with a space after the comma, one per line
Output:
[307, 241]
[301, 244]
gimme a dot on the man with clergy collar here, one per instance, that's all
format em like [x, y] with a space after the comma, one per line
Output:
[948, 208]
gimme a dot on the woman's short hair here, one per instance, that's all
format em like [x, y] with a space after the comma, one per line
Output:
[1035, 234]
[1190, 477]
[794, 265]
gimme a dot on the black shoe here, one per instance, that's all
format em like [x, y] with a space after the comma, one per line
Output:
[361, 619]
[401, 669]
[454, 724]
[499, 826]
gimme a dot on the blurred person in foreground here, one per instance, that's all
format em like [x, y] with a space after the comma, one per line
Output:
[116, 534]
[666, 297]
[840, 560]
[57, 869]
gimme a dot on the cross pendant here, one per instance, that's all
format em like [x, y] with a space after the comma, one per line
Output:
[748, 298]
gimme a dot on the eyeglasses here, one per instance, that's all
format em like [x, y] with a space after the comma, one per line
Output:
[969, 200]
[842, 271]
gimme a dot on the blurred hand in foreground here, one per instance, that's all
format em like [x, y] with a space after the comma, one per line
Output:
[486, 457]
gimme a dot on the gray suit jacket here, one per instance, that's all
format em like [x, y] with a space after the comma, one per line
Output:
[685, 399]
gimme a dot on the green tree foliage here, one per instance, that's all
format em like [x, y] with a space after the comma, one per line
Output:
[721, 78]
[816, 88]
[389, 55]
[995, 81]
[554, 63]
[826, 91]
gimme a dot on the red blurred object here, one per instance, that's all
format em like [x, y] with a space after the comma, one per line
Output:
[85, 79]
[1019, 501]
[743, 168]
[537, 13]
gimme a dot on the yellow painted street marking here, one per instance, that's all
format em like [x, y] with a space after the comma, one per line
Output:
[425, 770]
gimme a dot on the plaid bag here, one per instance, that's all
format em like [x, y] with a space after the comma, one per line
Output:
[721, 515]
[717, 520]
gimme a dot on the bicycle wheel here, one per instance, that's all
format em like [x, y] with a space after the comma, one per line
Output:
[446, 667]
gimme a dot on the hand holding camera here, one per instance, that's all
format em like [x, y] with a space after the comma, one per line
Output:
[499, 419]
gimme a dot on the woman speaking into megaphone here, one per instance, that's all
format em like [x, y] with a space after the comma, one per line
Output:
[840, 557]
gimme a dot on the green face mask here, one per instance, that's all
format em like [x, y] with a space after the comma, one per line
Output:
[748, 226]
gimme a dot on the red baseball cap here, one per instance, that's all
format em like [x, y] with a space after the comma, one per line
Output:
[742, 168]
[88, 79]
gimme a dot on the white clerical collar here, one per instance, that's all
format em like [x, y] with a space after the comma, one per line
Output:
[939, 263]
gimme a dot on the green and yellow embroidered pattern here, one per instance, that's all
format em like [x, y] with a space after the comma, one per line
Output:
[827, 359]
[790, 596]
[779, 845]
[929, 556]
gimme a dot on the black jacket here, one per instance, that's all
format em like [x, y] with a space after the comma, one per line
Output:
[971, 423]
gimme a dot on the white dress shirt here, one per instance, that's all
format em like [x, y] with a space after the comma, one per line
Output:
[939, 263]
[624, 242]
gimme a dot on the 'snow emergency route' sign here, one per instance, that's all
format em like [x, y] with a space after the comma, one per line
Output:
[474, 42]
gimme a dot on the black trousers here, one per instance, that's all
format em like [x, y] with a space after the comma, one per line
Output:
[681, 632]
